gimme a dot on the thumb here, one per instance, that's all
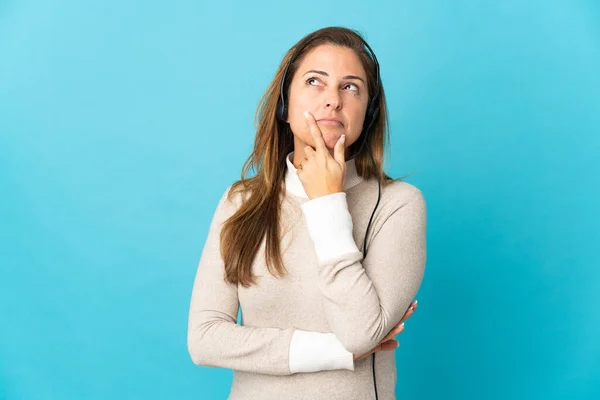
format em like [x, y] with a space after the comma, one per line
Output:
[339, 150]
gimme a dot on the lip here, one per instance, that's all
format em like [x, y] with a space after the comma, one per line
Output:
[331, 121]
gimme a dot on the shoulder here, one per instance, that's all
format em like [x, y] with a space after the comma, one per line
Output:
[403, 205]
[396, 195]
[399, 193]
[230, 201]
[236, 193]
[399, 198]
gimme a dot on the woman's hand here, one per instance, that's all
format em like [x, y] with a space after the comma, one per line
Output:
[319, 172]
[388, 343]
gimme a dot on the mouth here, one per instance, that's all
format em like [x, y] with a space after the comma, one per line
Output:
[331, 122]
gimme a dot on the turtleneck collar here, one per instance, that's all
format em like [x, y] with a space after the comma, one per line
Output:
[294, 185]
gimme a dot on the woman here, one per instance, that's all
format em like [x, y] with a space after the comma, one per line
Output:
[282, 245]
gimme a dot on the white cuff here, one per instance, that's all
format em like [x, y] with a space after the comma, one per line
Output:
[330, 225]
[315, 351]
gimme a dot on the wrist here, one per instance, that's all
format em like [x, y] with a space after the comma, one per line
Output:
[328, 193]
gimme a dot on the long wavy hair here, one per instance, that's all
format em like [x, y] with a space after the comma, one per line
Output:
[243, 233]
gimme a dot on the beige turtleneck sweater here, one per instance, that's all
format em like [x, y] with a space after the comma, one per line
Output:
[298, 333]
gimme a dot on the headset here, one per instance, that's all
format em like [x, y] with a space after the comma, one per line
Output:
[370, 117]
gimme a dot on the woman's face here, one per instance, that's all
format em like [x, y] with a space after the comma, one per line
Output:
[330, 83]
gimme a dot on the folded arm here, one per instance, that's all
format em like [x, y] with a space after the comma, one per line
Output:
[365, 298]
[215, 339]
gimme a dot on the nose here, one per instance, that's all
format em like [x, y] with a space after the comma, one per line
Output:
[333, 99]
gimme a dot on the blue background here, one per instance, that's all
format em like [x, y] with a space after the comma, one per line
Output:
[122, 123]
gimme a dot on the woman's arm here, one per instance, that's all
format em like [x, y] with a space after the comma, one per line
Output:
[364, 299]
[215, 339]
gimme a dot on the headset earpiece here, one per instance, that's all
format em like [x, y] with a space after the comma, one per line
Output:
[281, 112]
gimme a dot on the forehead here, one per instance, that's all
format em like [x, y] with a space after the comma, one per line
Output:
[335, 60]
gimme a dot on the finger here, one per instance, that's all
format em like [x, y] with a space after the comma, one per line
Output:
[407, 314]
[338, 151]
[395, 331]
[368, 354]
[390, 345]
[383, 346]
[373, 350]
[309, 152]
[315, 132]
[411, 309]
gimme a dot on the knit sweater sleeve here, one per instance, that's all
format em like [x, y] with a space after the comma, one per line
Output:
[365, 298]
[215, 339]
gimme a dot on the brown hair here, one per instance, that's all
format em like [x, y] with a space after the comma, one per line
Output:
[258, 215]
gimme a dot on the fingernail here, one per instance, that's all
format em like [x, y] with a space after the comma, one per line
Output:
[416, 301]
[343, 138]
[401, 325]
[397, 344]
[306, 114]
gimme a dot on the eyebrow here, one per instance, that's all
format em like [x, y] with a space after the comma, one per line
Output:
[326, 74]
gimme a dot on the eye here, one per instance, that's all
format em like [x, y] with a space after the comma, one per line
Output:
[352, 84]
[311, 79]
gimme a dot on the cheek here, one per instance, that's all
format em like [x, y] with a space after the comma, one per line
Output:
[298, 125]
[300, 103]
[356, 123]
[296, 117]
